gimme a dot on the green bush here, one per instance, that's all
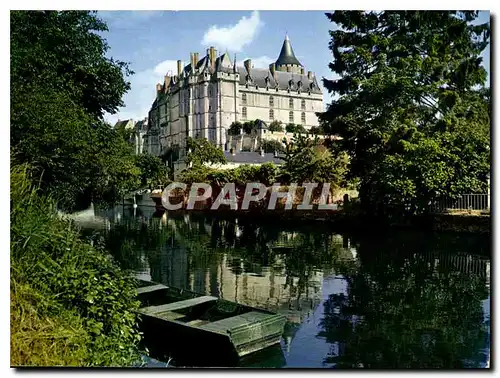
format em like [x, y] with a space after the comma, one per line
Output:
[276, 126]
[271, 146]
[48, 254]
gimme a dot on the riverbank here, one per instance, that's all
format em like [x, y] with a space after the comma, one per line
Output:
[342, 220]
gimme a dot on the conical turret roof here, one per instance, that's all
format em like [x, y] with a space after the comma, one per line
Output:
[287, 56]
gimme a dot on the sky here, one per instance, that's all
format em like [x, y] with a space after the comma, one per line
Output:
[153, 41]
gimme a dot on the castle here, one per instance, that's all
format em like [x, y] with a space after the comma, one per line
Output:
[209, 94]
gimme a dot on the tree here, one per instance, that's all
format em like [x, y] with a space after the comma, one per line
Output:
[251, 127]
[276, 126]
[61, 85]
[300, 129]
[202, 151]
[64, 50]
[152, 169]
[235, 128]
[290, 128]
[412, 107]
[271, 146]
[316, 130]
[308, 160]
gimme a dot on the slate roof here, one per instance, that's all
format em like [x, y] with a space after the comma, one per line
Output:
[262, 77]
[252, 158]
[287, 56]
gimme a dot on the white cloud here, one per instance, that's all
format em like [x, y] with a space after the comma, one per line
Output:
[143, 91]
[233, 37]
[259, 62]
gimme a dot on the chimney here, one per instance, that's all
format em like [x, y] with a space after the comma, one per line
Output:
[310, 75]
[212, 56]
[158, 89]
[272, 68]
[248, 65]
[179, 67]
[196, 58]
[191, 60]
[302, 71]
[167, 81]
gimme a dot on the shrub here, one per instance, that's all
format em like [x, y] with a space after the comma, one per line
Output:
[271, 146]
[276, 126]
[77, 283]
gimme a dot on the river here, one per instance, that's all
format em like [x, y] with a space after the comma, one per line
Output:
[370, 300]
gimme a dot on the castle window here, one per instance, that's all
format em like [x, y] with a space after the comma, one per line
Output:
[244, 113]
[290, 117]
[290, 102]
[271, 101]
[271, 114]
[244, 98]
[303, 104]
[303, 118]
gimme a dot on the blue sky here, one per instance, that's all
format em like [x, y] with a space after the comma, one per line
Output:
[152, 41]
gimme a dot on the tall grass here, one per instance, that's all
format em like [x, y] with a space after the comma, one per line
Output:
[70, 303]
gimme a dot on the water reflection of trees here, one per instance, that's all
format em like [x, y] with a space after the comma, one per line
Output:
[403, 309]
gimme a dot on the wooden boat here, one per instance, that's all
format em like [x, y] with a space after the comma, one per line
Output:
[204, 325]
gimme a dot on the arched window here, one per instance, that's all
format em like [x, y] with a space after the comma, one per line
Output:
[271, 114]
[244, 113]
[271, 101]
[290, 102]
[303, 104]
[244, 98]
[290, 117]
[303, 118]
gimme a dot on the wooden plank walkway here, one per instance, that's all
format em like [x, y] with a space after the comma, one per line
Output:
[222, 326]
[152, 310]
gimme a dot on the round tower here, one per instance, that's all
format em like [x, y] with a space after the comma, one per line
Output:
[287, 62]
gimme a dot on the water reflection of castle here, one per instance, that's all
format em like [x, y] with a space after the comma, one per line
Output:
[269, 288]
[234, 278]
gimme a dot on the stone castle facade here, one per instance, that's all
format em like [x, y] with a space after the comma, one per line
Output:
[206, 96]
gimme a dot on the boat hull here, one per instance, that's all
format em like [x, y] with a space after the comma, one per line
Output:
[214, 332]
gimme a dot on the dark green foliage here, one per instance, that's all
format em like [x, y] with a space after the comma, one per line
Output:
[61, 85]
[300, 129]
[72, 276]
[308, 160]
[202, 151]
[316, 130]
[410, 113]
[271, 146]
[153, 170]
[290, 128]
[64, 51]
[235, 128]
[276, 126]
[251, 127]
